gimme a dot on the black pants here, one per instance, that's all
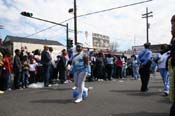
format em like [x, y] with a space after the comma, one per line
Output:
[55, 73]
[109, 71]
[32, 78]
[119, 72]
[17, 77]
[1, 71]
[145, 76]
[62, 76]
[46, 69]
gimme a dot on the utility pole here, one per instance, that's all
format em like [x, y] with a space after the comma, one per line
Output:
[75, 22]
[134, 40]
[147, 15]
[67, 35]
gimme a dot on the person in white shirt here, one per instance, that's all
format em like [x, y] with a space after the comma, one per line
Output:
[53, 66]
[32, 70]
[109, 66]
[164, 72]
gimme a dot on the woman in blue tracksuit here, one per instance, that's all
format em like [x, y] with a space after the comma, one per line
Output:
[164, 72]
[80, 68]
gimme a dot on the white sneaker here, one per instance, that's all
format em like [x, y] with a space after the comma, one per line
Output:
[67, 81]
[1, 92]
[9, 89]
[70, 81]
[78, 100]
[74, 88]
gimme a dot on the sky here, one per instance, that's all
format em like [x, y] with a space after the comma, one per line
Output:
[124, 26]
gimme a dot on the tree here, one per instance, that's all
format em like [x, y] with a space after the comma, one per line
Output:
[113, 46]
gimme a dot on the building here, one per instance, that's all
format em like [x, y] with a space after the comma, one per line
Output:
[100, 42]
[13, 43]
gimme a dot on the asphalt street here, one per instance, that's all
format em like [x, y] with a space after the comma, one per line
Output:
[107, 98]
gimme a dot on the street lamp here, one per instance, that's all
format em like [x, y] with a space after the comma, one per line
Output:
[74, 10]
[1, 27]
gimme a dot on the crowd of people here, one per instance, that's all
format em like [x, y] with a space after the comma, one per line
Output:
[43, 66]
[27, 68]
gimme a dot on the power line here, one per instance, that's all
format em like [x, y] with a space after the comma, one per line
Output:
[96, 12]
[48, 28]
[114, 8]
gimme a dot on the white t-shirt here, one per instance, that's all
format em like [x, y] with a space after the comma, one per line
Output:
[109, 60]
[33, 67]
[162, 61]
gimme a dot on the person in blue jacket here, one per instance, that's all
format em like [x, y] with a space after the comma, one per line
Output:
[144, 59]
[80, 69]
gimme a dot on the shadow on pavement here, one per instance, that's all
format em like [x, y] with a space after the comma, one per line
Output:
[165, 101]
[56, 101]
[136, 92]
[141, 114]
[57, 89]
[124, 91]
[156, 81]
[158, 87]
[145, 94]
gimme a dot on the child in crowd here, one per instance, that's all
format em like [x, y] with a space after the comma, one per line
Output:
[25, 72]
[32, 70]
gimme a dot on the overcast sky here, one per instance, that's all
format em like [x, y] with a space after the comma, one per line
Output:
[124, 26]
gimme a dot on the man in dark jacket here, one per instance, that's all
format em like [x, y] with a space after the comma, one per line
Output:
[46, 62]
[17, 68]
[62, 63]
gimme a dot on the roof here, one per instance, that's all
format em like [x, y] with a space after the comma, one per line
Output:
[31, 40]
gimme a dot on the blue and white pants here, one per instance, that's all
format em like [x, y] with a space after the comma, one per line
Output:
[165, 77]
[79, 79]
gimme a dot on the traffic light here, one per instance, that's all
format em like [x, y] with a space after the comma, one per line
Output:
[69, 43]
[27, 14]
[71, 10]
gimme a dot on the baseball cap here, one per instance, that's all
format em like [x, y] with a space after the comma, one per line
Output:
[79, 45]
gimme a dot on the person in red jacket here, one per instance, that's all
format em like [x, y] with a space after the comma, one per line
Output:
[7, 70]
[119, 66]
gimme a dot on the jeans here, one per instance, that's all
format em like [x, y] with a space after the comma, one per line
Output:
[17, 77]
[123, 72]
[165, 77]
[7, 81]
[25, 78]
[46, 74]
[135, 70]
